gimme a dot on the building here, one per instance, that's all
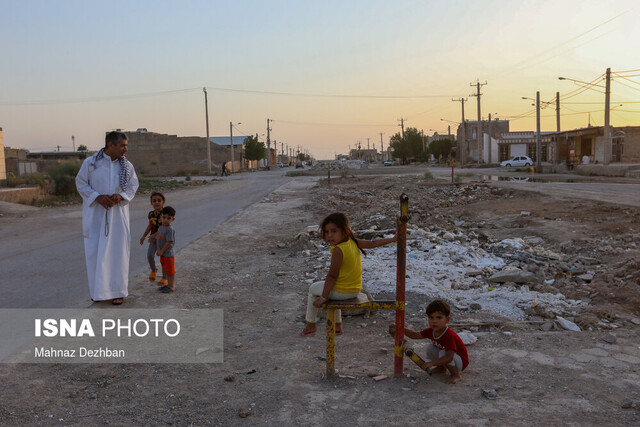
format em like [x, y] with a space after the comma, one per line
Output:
[159, 154]
[467, 137]
[368, 155]
[3, 165]
[511, 144]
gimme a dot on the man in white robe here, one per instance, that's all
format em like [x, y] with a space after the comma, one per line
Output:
[107, 183]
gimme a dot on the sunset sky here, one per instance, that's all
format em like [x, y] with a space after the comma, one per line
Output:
[329, 74]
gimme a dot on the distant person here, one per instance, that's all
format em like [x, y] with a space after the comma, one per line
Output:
[166, 238]
[224, 171]
[107, 183]
[446, 351]
[155, 219]
[344, 279]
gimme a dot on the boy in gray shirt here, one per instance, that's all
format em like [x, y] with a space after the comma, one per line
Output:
[165, 238]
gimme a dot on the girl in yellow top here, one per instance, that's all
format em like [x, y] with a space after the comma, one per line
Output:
[344, 279]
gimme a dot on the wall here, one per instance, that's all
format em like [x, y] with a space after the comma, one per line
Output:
[3, 166]
[158, 154]
[631, 144]
[17, 195]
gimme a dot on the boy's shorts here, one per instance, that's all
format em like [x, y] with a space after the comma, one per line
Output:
[168, 265]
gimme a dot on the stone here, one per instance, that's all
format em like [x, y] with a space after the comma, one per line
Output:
[490, 393]
[586, 277]
[244, 412]
[512, 275]
[281, 273]
[475, 306]
[230, 378]
[448, 236]
[626, 404]
[525, 213]
[609, 338]
[635, 321]
[546, 326]
[568, 325]
[379, 377]
[467, 337]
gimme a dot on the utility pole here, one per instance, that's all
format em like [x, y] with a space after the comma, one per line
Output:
[489, 139]
[463, 147]
[479, 132]
[268, 145]
[282, 153]
[206, 114]
[556, 155]
[73, 142]
[538, 142]
[231, 138]
[381, 148]
[402, 126]
[607, 124]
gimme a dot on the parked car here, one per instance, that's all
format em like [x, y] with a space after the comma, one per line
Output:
[299, 165]
[388, 163]
[280, 164]
[517, 161]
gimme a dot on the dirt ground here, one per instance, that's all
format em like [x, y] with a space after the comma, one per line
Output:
[257, 268]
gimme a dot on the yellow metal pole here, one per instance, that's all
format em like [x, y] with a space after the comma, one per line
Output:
[331, 342]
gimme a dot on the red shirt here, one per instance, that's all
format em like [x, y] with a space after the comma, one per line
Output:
[449, 340]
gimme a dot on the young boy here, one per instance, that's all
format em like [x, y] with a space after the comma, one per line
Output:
[155, 218]
[446, 351]
[165, 238]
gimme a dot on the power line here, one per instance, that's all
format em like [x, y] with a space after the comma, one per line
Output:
[99, 98]
[320, 95]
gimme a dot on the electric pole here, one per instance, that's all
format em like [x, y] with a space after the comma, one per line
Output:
[231, 138]
[489, 139]
[463, 147]
[556, 156]
[538, 142]
[206, 114]
[479, 132]
[402, 126]
[268, 145]
[607, 124]
[381, 148]
[73, 142]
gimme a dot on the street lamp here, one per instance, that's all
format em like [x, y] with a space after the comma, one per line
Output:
[538, 142]
[231, 125]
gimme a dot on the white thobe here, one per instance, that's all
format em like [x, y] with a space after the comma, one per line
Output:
[107, 237]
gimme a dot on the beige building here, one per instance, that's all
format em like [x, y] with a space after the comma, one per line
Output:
[156, 154]
[3, 165]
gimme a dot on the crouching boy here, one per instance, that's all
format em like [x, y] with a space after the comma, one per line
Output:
[446, 352]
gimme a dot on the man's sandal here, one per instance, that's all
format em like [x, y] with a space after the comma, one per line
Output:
[117, 301]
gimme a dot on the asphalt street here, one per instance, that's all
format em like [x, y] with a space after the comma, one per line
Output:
[42, 256]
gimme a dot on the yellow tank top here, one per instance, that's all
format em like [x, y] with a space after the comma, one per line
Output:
[350, 276]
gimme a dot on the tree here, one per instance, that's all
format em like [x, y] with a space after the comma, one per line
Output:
[254, 149]
[408, 148]
[441, 148]
[82, 147]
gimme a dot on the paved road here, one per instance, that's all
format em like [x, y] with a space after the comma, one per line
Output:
[42, 255]
[623, 191]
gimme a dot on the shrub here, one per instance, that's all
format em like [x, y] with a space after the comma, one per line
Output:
[64, 176]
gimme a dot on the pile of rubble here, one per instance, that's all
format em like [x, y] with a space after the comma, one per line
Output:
[513, 279]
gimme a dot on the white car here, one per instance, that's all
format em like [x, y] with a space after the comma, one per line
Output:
[517, 161]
